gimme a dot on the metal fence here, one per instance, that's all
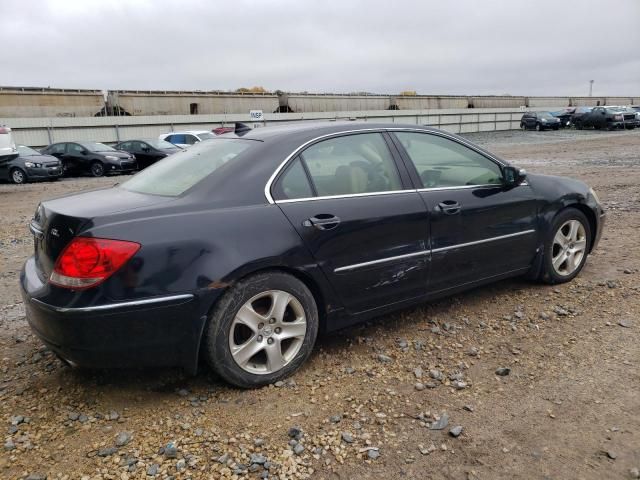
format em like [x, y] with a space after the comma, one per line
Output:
[38, 132]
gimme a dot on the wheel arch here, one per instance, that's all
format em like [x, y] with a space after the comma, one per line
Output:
[307, 280]
[591, 217]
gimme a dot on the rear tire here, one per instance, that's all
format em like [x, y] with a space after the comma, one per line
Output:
[261, 330]
[539, 127]
[97, 169]
[566, 247]
[18, 176]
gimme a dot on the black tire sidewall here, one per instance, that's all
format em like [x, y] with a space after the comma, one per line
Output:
[549, 274]
[216, 340]
[94, 164]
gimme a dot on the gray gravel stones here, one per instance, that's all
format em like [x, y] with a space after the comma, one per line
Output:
[468, 408]
[181, 464]
[436, 374]
[258, 442]
[152, 470]
[37, 476]
[123, 438]
[384, 358]
[625, 322]
[441, 423]
[419, 386]
[258, 459]
[9, 445]
[503, 371]
[335, 418]
[295, 432]
[373, 454]
[170, 450]
[107, 451]
[298, 449]
[634, 473]
[418, 372]
[347, 437]
[455, 431]
[73, 416]
[16, 419]
[459, 384]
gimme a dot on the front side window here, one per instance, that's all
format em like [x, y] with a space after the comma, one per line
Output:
[177, 173]
[441, 162]
[75, 148]
[359, 163]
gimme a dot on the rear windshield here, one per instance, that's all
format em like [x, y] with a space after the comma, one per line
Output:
[177, 173]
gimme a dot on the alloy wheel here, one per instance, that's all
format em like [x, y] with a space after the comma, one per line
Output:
[267, 332]
[18, 177]
[569, 247]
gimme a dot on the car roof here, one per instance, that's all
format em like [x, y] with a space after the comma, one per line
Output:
[315, 129]
[192, 132]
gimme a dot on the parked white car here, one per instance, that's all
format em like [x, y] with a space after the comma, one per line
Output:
[8, 150]
[187, 137]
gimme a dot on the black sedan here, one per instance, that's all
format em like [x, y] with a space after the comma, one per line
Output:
[30, 165]
[148, 152]
[241, 249]
[539, 121]
[97, 159]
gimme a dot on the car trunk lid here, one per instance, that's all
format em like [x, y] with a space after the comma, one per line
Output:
[58, 221]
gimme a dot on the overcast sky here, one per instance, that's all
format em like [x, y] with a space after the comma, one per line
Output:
[541, 47]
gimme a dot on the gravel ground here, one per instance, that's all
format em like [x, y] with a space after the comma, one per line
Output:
[513, 380]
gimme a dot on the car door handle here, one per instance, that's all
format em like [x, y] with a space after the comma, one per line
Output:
[449, 207]
[322, 221]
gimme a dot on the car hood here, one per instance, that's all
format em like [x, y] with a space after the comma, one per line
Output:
[117, 153]
[39, 158]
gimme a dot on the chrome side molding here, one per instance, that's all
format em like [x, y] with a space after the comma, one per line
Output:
[118, 305]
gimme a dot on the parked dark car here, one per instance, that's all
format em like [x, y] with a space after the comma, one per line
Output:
[30, 165]
[97, 159]
[630, 117]
[242, 248]
[148, 151]
[578, 113]
[539, 121]
[604, 117]
[564, 116]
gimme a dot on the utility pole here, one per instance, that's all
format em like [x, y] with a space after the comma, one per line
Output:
[591, 88]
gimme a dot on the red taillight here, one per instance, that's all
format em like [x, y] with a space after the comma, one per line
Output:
[5, 129]
[87, 262]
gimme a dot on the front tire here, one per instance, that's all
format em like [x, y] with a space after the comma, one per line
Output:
[261, 330]
[97, 169]
[18, 176]
[566, 247]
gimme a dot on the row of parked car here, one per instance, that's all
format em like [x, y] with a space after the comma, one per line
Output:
[606, 117]
[23, 164]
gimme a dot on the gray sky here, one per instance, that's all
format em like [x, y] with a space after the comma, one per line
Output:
[522, 47]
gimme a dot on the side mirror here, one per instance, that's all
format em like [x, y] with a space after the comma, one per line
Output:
[513, 176]
[84, 152]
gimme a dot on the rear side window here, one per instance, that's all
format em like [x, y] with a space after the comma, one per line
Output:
[58, 148]
[179, 172]
[442, 162]
[190, 139]
[293, 183]
[360, 163]
[177, 138]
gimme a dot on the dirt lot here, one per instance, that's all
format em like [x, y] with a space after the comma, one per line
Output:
[569, 409]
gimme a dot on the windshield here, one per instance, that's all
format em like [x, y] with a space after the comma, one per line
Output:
[179, 172]
[26, 151]
[97, 147]
[545, 115]
[206, 136]
[161, 144]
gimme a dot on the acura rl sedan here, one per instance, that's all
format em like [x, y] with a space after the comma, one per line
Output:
[241, 249]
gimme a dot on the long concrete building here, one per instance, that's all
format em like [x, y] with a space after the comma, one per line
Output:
[28, 102]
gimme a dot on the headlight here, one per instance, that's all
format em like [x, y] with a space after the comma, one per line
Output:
[544, 120]
[594, 195]
[32, 165]
[110, 157]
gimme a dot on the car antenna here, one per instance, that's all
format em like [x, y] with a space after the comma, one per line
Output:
[240, 129]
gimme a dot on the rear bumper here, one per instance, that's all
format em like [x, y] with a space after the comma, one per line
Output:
[149, 332]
